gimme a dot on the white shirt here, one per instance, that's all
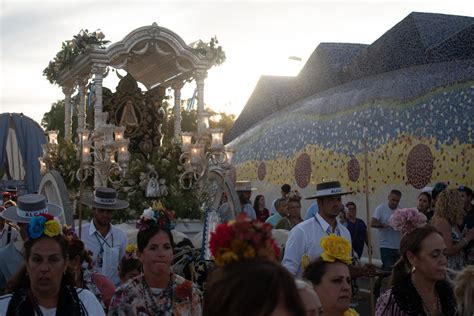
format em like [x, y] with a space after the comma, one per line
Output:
[305, 239]
[388, 237]
[113, 245]
[89, 301]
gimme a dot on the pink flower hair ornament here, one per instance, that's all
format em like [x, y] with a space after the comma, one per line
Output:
[407, 220]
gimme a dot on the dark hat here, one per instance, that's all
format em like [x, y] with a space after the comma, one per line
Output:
[29, 206]
[106, 199]
[328, 189]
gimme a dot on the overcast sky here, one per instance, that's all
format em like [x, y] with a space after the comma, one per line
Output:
[257, 36]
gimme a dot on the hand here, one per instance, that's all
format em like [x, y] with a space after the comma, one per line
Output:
[369, 270]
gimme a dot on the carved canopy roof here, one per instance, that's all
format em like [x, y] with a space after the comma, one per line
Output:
[153, 55]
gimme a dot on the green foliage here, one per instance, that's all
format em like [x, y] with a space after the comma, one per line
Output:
[70, 50]
[165, 162]
[54, 119]
[63, 158]
[211, 51]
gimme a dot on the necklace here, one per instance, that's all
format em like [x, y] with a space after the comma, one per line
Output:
[164, 309]
[434, 310]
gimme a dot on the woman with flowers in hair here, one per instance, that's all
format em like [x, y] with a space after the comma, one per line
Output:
[44, 286]
[158, 291]
[330, 276]
[80, 264]
[418, 285]
[249, 280]
[130, 266]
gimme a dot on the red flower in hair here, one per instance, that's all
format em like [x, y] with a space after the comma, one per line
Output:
[243, 239]
[48, 217]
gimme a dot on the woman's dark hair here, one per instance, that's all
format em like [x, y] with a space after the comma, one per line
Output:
[315, 270]
[251, 288]
[255, 202]
[76, 248]
[144, 236]
[428, 196]
[410, 242]
[128, 264]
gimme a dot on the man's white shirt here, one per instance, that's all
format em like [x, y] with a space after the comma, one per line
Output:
[305, 238]
[114, 244]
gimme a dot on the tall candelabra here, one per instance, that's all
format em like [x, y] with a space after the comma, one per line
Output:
[104, 153]
[206, 154]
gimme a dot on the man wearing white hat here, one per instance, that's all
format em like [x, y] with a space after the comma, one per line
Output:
[304, 238]
[106, 242]
[244, 191]
[27, 207]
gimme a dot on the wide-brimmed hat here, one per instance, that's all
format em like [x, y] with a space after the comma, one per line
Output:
[29, 206]
[244, 186]
[106, 199]
[328, 189]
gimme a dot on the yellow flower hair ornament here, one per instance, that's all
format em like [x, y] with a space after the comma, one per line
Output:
[43, 224]
[336, 248]
[131, 251]
[350, 312]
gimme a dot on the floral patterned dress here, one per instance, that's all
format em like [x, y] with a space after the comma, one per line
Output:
[180, 298]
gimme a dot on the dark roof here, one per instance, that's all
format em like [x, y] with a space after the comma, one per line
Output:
[419, 39]
[323, 70]
[406, 44]
[459, 46]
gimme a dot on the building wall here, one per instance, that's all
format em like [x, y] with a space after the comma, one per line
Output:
[413, 139]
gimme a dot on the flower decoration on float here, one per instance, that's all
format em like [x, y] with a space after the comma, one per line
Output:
[157, 215]
[336, 248]
[43, 224]
[407, 220]
[243, 239]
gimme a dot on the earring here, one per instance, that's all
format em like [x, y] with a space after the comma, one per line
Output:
[413, 270]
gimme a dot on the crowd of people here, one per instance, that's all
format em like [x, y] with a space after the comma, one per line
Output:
[427, 250]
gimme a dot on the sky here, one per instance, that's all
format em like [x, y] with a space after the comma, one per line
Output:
[257, 37]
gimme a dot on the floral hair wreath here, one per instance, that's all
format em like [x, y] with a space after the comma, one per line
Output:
[407, 220]
[243, 239]
[69, 233]
[336, 248]
[43, 224]
[131, 251]
[157, 215]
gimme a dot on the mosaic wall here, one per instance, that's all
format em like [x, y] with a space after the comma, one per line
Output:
[410, 143]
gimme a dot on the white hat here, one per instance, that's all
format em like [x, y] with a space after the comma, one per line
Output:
[29, 206]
